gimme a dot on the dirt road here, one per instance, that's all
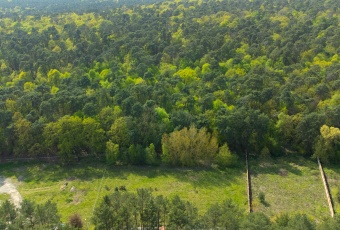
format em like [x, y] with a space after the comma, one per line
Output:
[6, 186]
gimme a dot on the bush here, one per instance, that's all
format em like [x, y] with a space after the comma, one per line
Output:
[75, 221]
[225, 158]
[262, 198]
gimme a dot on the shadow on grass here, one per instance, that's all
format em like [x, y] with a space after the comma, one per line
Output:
[281, 166]
[198, 177]
[266, 204]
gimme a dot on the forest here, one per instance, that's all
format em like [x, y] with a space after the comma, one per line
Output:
[181, 83]
[260, 77]
[145, 83]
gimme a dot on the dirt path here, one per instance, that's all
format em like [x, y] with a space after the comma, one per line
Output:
[6, 186]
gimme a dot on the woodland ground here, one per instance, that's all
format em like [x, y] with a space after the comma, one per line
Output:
[289, 185]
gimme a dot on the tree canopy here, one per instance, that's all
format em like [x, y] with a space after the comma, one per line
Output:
[91, 78]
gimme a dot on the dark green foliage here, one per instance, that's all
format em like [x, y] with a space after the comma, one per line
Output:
[29, 216]
[130, 210]
[255, 220]
[262, 197]
[226, 215]
[75, 221]
[7, 212]
[300, 222]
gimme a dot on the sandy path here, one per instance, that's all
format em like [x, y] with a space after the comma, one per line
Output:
[6, 186]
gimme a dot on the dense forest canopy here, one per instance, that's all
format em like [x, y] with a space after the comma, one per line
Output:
[125, 81]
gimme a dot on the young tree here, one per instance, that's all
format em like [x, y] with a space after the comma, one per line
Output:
[189, 147]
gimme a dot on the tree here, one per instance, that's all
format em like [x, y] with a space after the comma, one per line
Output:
[151, 155]
[300, 222]
[22, 128]
[121, 131]
[189, 147]
[112, 152]
[103, 215]
[7, 212]
[178, 217]
[245, 130]
[94, 136]
[327, 146]
[65, 137]
[47, 214]
[255, 220]
[225, 215]
[29, 216]
[308, 130]
[28, 212]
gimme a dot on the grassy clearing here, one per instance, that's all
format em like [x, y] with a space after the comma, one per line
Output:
[289, 185]
[202, 187]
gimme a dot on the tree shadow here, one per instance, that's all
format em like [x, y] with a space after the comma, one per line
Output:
[281, 166]
[52, 172]
[266, 204]
[197, 177]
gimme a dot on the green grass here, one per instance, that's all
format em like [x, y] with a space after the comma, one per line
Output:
[290, 185]
[333, 178]
[202, 187]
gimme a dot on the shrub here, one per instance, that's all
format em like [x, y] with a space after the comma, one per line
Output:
[225, 158]
[75, 221]
[262, 198]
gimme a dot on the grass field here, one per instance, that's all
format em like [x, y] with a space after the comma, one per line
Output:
[333, 178]
[289, 185]
[202, 187]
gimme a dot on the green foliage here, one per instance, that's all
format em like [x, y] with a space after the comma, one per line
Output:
[8, 212]
[300, 222]
[255, 220]
[262, 197]
[327, 146]
[112, 151]
[29, 216]
[72, 137]
[75, 221]
[120, 131]
[224, 215]
[234, 69]
[151, 155]
[189, 147]
[225, 158]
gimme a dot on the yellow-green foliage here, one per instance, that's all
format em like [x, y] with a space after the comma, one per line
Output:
[189, 147]
[188, 75]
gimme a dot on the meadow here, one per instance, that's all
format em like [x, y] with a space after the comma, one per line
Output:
[202, 187]
[290, 185]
